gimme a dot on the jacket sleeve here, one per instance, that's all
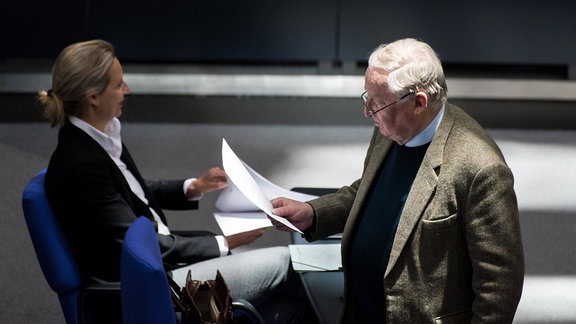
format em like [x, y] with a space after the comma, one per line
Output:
[331, 212]
[170, 194]
[177, 249]
[181, 249]
[495, 246]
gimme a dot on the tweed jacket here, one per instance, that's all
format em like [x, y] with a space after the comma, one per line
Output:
[457, 255]
[95, 206]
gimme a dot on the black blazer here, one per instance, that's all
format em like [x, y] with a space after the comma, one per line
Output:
[95, 206]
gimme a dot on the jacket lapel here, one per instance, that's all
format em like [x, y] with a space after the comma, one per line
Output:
[372, 166]
[422, 189]
[127, 159]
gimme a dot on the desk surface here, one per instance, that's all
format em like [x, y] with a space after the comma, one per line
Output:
[324, 289]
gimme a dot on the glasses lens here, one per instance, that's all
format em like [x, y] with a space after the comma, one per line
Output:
[364, 97]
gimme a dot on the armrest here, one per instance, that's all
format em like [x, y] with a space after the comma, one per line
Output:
[192, 233]
[316, 191]
[242, 307]
[100, 303]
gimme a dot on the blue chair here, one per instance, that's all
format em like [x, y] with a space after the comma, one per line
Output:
[146, 294]
[145, 289]
[78, 300]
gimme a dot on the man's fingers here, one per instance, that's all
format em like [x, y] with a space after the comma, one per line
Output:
[279, 226]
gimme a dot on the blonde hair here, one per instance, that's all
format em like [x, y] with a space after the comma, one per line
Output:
[412, 65]
[80, 70]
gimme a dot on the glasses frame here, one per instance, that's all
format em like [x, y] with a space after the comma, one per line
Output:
[364, 98]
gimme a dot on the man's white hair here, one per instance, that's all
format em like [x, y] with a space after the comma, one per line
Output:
[412, 65]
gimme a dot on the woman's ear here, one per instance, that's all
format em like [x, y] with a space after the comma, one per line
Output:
[92, 100]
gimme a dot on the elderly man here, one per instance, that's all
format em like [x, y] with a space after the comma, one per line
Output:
[431, 230]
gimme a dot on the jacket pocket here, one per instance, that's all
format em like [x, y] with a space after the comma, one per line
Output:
[439, 243]
[439, 223]
[455, 318]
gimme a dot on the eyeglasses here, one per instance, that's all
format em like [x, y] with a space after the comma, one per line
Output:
[364, 97]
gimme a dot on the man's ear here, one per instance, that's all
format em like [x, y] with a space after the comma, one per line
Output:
[420, 102]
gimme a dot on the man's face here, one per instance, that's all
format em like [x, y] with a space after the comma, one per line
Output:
[396, 121]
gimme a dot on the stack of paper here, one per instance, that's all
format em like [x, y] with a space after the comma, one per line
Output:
[315, 257]
[245, 204]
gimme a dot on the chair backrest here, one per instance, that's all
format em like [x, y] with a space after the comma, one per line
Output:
[145, 289]
[52, 249]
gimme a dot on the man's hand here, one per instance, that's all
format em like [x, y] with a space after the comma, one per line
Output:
[300, 214]
[243, 238]
[214, 179]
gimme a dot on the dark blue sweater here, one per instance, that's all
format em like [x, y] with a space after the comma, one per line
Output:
[374, 236]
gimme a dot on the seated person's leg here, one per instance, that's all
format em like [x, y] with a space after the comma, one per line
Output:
[264, 277]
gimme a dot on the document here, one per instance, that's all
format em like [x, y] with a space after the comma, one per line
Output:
[315, 257]
[233, 223]
[245, 204]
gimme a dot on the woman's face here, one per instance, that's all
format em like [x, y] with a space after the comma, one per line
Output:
[110, 101]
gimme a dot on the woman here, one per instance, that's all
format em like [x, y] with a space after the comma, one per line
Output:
[96, 190]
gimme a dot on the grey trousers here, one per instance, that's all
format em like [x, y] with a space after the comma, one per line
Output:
[257, 275]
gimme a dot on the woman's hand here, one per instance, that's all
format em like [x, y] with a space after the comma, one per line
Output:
[214, 179]
[243, 238]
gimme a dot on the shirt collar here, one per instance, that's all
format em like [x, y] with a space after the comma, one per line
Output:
[109, 139]
[426, 136]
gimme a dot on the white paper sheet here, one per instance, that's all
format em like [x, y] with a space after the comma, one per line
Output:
[241, 178]
[232, 199]
[248, 191]
[315, 257]
[234, 223]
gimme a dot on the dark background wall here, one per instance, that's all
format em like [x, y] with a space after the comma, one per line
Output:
[296, 31]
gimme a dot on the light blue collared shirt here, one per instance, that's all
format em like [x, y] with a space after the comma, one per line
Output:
[426, 136]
